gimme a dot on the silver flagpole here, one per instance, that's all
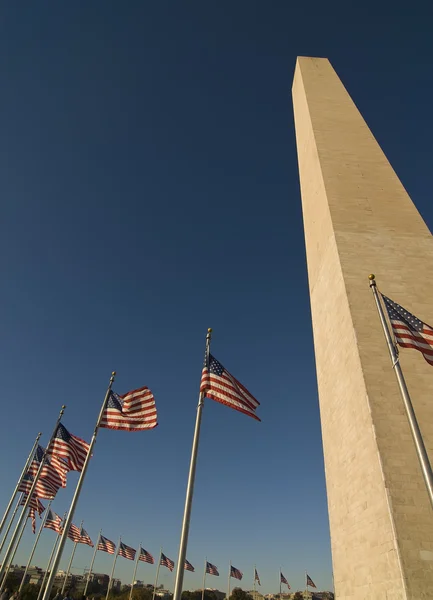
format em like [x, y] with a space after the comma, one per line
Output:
[49, 565]
[410, 413]
[157, 574]
[190, 488]
[91, 564]
[280, 583]
[135, 571]
[24, 471]
[8, 528]
[254, 583]
[34, 546]
[204, 578]
[116, 554]
[230, 572]
[77, 494]
[70, 562]
[29, 497]
[15, 551]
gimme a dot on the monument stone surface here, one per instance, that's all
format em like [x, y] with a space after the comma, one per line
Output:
[359, 219]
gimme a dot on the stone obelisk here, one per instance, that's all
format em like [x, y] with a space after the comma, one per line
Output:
[359, 219]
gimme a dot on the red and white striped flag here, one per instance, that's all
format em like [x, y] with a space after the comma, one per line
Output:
[133, 411]
[74, 533]
[53, 521]
[188, 566]
[85, 538]
[70, 447]
[126, 551]
[145, 556]
[219, 385]
[106, 545]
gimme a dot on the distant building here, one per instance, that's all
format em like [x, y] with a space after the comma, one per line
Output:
[256, 595]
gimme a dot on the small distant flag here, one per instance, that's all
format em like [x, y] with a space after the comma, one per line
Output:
[34, 503]
[188, 566]
[32, 516]
[211, 569]
[145, 556]
[133, 411]
[85, 538]
[166, 562]
[54, 469]
[69, 447]
[284, 580]
[256, 577]
[53, 521]
[235, 573]
[106, 545]
[74, 533]
[310, 582]
[409, 331]
[219, 385]
[126, 551]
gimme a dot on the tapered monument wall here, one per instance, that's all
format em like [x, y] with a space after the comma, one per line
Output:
[358, 219]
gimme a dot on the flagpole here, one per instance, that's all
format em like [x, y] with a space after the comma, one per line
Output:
[77, 493]
[91, 564]
[8, 568]
[8, 528]
[24, 471]
[116, 554]
[135, 571]
[29, 497]
[410, 413]
[230, 572]
[254, 582]
[34, 546]
[70, 562]
[204, 578]
[157, 574]
[190, 488]
[49, 565]
[306, 584]
[280, 583]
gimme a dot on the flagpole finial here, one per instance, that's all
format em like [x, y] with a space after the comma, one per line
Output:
[62, 410]
[372, 279]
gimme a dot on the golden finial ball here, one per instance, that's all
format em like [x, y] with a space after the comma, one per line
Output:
[209, 330]
[371, 276]
[113, 373]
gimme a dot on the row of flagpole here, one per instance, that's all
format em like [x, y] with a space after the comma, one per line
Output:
[219, 385]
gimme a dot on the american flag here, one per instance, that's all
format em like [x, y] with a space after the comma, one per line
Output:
[51, 471]
[188, 566]
[256, 577]
[409, 331]
[53, 521]
[85, 538]
[69, 447]
[166, 562]
[74, 533]
[310, 582]
[43, 488]
[106, 545]
[235, 573]
[284, 580]
[219, 385]
[133, 411]
[34, 503]
[211, 569]
[145, 556]
[32, 516]
[126, 551]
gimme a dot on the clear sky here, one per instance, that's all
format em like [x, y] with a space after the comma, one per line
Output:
[149, 190]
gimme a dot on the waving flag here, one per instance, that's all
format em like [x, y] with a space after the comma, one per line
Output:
[188, 566]
[133, 411]
[35, 504]
[145, 556]
[53, 521]
[256, 577]
[219, 385]
[409, 331]
[43, 488]
[106, 545]
[284, 580]
[126, 551]
[166, 562]
[74, 533]
[235, 573]
[85, 538]
[211, 569]
[69, 447]
[32, 516]
[54, 470]
[310, 582]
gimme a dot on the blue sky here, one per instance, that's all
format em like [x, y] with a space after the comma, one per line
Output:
[149, 190]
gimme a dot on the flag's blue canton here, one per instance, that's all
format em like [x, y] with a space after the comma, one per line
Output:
[215, 366]
[399, 313]
[62, 433]
[39, 454]
[115, 401]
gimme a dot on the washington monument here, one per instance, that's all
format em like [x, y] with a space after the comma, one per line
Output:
[359, 219]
